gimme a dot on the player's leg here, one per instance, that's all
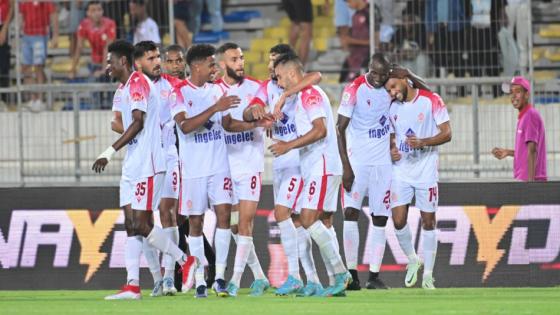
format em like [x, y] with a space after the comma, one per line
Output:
[183, 227]
[220, 195]
[427, 201]
[380, 210]
[321, 193]
[287, 186]
[401, 196]
[168, 216]
[305, 254]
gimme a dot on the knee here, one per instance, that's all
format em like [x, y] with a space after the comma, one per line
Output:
[399, 222]
[351, 214]
[129, 226]
[142, 228]
[380, 221]
[428, 224]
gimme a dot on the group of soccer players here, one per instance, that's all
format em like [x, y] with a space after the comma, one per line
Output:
[384, 145]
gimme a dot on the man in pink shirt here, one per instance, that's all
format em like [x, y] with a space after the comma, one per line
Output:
[529, 155]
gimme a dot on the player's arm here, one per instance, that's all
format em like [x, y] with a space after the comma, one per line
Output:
[234, 125]
[317, 132]
[6, 24]
[55, 29]
[417, 81]
[442, 137]
[130, 133]
[531, 160]
[311, 78]
[116, 122]
[188, 125]
[76, 57]
[395, 154]
[347, 172]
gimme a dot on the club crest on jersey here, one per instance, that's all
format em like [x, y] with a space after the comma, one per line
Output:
[382, 120]
[137, 96]
[190, 103]
[346, 97]
[395, 118]
[284, 119]
[164, 93]
[173, 98]
[208, 125]
[356, 195]
[421, 117]
[410, 133]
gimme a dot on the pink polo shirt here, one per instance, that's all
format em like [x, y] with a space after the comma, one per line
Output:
[530, 128]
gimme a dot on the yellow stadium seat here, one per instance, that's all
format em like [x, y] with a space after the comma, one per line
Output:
[263, 44]
[317, 2]
[544, 75]
[260, 71]
[64, 42]
[166, 41]
[552, 30]
[277, 32]
[253, 56]
[321, 44]
[538, 53]
[285, 22]
[552, 55]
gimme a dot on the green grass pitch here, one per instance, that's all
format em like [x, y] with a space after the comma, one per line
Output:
[505, 301]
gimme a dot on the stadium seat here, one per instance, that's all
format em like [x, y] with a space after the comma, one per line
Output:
[552, 30]
[552, 54]
[263, 44]
[279, 32]
[253, 56]
[241, 16]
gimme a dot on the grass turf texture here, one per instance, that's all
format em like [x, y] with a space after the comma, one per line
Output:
[396, 301]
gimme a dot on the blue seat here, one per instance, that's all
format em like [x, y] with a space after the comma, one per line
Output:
[241, 16]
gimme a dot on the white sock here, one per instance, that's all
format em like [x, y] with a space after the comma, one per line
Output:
[152, 258]
[244, 246]
[324, 239]
[235, 237]
[306, 255]
[132, 252]
[351, 237]
[254, 263]
[167, 261]
[378, 243]
[334, 239]
[405, 240]
[288, 235]
[159, 240]
[196, 246]
[429, 243]
[221, 241]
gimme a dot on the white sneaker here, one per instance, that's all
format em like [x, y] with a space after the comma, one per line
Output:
[158, 289]
[128, 292]
[169, 286]
[412, 273]
[428, 282]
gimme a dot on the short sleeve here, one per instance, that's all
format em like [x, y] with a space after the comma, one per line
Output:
[348, 100]
[312, 103]
[117, 101]
[176, 102]
[532, 127]
[82, 29]
[439, 110]
[261, 97]
[139, 93]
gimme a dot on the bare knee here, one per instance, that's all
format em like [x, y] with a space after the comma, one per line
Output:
[351, 214]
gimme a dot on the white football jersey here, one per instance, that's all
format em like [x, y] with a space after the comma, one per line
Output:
[321, 157]
[368, 134]
[421, 118]
[165, 84]
[203, 151]
[284, 129]
[245, 149]
[145, 156]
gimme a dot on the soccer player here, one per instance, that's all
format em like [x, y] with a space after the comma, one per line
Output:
[197, 107]
[421, 123]
[244, 142]
[363, 141]
[174, 61]
[287, 177]
[319, 163]
[139, 105]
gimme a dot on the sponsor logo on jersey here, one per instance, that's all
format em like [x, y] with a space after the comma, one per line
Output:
[240, 137]
[205, 137]
[377, 133]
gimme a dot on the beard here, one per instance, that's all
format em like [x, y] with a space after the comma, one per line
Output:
[233, 74]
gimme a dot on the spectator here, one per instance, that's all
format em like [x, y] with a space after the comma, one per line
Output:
[446, 28]
[214, 8]
[118, 11]
[529, 155]
[6, 12]
[181, 19]
[36, 17]
[386, 29]
[410, 56]
[145, 28]
[174, 62]
[484, 37]
[357, 41]
[76, 15]
[342, 20]
[99, 31]
[518, 20]
[300, 13]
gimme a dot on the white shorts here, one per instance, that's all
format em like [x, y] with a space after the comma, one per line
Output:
[287, 186]
[125, 195]
[320, 192]
[171, 185]
[145, 193]
[426, 197]
[247, 187]
[197, 193]
[373, 181]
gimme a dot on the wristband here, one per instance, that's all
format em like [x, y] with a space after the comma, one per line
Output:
[107, 154]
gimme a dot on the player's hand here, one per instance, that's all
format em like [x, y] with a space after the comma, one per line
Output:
[257, 112]
[99, 165]
[269, 133]
[395, 154]
[279, 148]
[54, 41]
[415, 143]
[347, 179]
[499, 153]
[278, 114]
[397, 71]
[226, 102]
[266, 122]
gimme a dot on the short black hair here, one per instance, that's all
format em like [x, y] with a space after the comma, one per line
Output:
[175, 48]
[141, 48]
[199, 52]
[92, 3]
[225, 47]
[380, 58]
[122, 48]
[290, 57]
[281, 49]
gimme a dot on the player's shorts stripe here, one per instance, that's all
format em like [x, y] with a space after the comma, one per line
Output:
[300, 189]
[150, 193]
[323, 193]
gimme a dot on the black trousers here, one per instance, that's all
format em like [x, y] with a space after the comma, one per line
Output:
[4, 69]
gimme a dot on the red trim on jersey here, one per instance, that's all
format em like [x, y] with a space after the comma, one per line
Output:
[417, 95]
[171, 79]
[252, 79]
[437, 102]
[362, 79]
[300, 189]
[257, 101]
[180, 199]
[150, 193]
[323, 193]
